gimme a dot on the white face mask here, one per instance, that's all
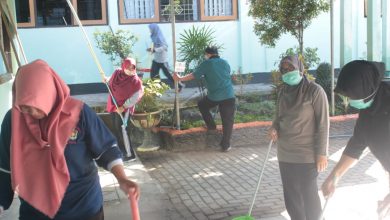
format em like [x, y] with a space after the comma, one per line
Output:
[128, 72]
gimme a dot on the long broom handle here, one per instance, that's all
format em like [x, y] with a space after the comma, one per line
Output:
[16, 34]
[261, 175]
[134, 207]
[323, 209]
[335, 182]
[99, 66]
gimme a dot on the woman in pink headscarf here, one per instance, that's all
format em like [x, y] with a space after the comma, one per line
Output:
[49, 145]
[126, 87]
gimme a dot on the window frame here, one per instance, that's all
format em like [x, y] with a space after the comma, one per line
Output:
[234, 16]
[33, 14]
[123, 20]
[31, 4]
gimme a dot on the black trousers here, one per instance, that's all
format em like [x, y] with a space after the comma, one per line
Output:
[27, 212]
[300, 190]
[227, 108]
[155, 72]
[117, 124]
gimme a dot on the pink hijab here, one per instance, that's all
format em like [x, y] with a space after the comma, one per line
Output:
[123, 86]
[39, 171]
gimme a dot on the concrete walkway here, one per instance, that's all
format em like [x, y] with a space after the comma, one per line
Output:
[208, 184]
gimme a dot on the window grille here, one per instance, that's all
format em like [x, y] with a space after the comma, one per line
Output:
[187, 10]
[218, 7]
[139, 9]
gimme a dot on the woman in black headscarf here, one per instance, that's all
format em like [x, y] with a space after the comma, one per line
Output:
[301, 127]
[361, 81]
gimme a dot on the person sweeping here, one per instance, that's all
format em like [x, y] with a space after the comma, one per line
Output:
[50, 145]
[126, 88]
[160, 51]
[362, 82]
[301, 129]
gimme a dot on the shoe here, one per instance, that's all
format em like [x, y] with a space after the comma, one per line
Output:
[129, 159]
[212, 138]
[226, 149]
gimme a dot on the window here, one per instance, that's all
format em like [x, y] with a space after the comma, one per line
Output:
[24, 13]
[138, 11]
[218, 9]
[185, 11]
[57, 12]
[147, 11]
[53, 13]
[92, 11]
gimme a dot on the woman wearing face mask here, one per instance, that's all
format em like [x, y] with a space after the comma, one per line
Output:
[361, 81]
[50, 145]
[126, 87]
[160, 51]
[301, 129]
[220, 92]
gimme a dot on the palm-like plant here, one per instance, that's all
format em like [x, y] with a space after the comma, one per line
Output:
[192, 44]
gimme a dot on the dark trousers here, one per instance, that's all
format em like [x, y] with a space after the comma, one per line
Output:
[226, 110]
[300, 190]
[155, 72]
[27, 212]
[117, 124]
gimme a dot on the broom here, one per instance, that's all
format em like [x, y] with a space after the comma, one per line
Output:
[248, 216]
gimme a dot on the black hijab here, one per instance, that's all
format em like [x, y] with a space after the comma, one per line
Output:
[359, 79]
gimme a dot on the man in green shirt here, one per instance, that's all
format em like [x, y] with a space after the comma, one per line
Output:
[216, 73]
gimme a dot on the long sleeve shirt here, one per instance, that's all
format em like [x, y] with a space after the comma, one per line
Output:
[161, 54]
[372, 129]
[91, 143]
[302, 122]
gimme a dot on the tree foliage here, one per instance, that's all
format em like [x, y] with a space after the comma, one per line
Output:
[276, 17]
[117, 45]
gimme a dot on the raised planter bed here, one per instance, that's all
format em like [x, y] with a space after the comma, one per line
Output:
[244, 134]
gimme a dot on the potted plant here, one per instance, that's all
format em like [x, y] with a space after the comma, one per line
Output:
[148, 112]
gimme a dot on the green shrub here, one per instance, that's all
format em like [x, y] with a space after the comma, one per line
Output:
[117, 45]
[324, 78]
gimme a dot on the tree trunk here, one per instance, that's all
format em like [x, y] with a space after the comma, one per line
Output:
[300, 40]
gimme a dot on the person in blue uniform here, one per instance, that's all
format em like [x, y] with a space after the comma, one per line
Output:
[50, 145]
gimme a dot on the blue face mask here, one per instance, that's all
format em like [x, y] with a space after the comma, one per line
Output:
[292, 78]
[360, 104]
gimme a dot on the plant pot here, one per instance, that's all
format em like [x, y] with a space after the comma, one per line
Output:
[147, 121]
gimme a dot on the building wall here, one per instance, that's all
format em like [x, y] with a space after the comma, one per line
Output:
[65, 48]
